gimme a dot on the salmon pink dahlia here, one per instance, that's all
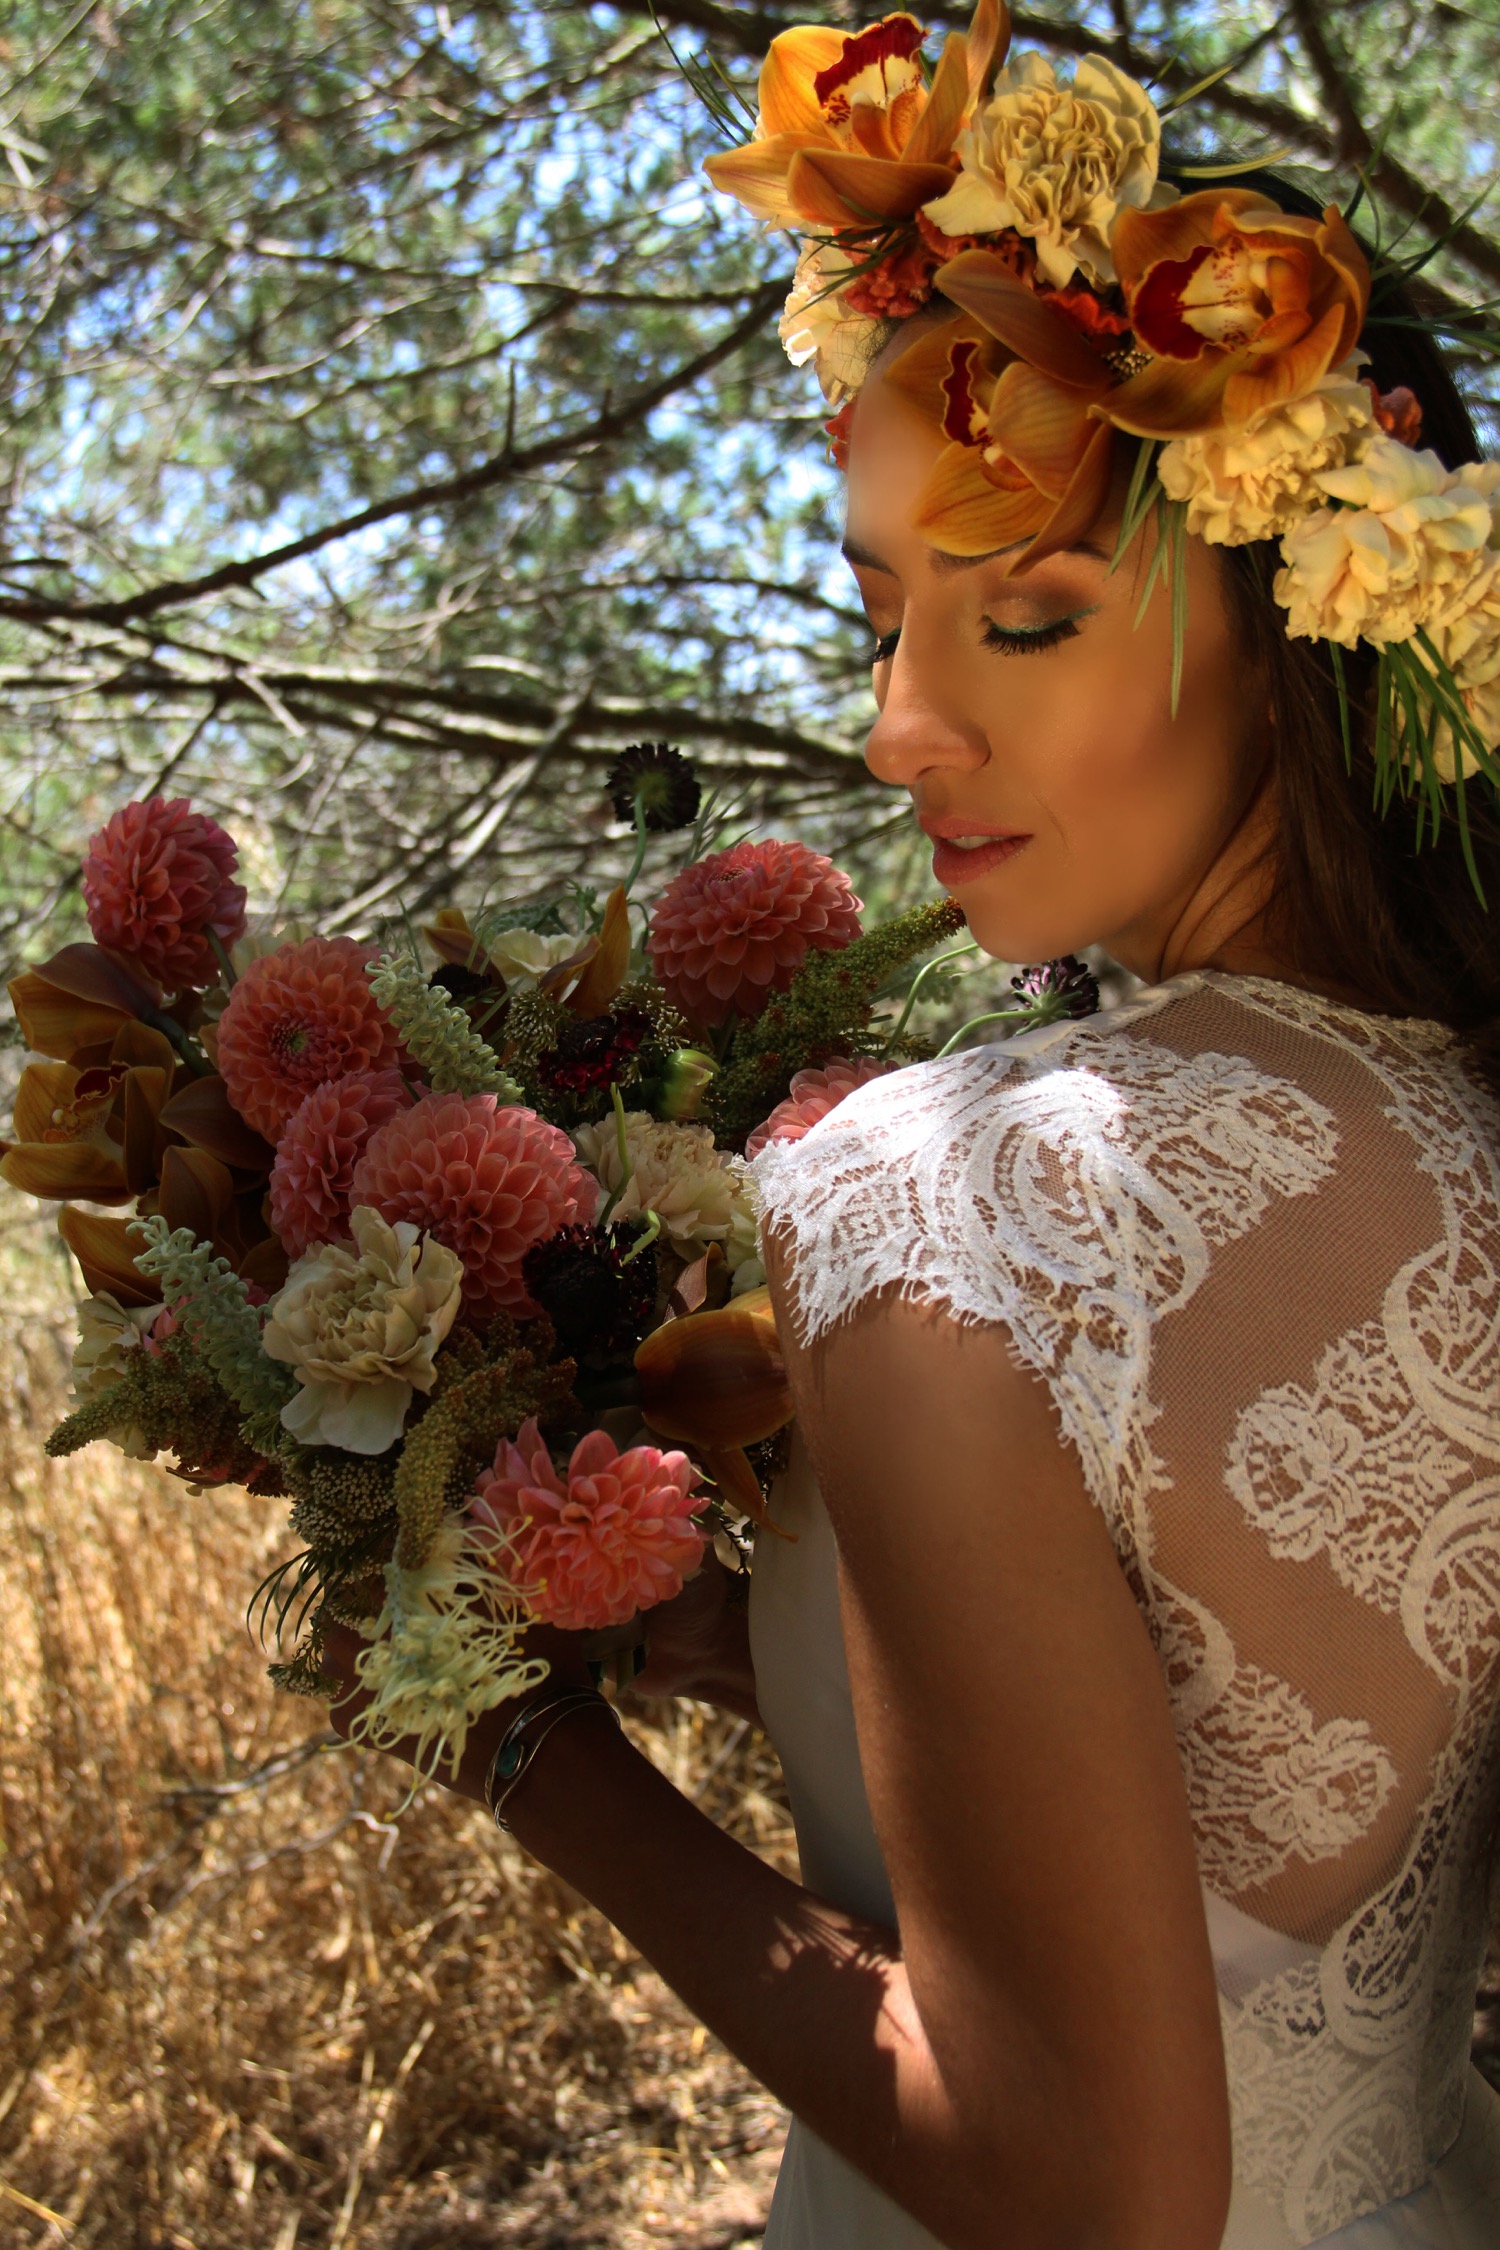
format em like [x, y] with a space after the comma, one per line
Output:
[299, 1017]
[157, 883]
[812, 1094]
[736, 927]
[316, 1155]
[615, 1536]
[486, 1179]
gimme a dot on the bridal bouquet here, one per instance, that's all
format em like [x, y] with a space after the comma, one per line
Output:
[449, 1240]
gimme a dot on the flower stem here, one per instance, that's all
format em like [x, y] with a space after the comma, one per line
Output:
[917, 983]
[1021, 1016]
[639, 860]
[627, 1165]
[648, 1235]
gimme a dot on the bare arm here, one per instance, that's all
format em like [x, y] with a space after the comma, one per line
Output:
[1037, 2062]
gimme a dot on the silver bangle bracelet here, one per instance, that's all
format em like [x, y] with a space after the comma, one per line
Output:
[516, 1747]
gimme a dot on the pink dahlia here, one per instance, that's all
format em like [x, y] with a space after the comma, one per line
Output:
[617, 1536]
[486, 1181]
[157, 882]
[299, 1017]
[813, 1093]
[316, 1155]
[732, 929]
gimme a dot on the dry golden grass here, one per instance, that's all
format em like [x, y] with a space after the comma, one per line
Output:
[239, 2009]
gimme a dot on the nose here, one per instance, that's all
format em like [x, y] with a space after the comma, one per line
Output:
[918, 731]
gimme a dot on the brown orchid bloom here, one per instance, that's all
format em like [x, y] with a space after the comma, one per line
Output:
[73, 1005]
[1016, 389]
[1240, 305]
[848, 137]
[716, 1382]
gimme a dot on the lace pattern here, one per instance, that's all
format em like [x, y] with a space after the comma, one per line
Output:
[1295, 1208]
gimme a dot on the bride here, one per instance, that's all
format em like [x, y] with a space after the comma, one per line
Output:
[1135, 1670]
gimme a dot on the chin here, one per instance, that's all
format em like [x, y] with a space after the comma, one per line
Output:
[1009, 931]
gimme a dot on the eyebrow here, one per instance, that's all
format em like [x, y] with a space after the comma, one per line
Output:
[862, 556]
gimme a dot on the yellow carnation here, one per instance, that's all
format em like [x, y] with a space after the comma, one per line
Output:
[361, 1327]
[1056, 163]
[1257, 481]
[1466, 634]
[1385, 561]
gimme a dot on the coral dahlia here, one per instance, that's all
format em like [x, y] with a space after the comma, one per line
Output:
[812, 1094]
[487, 1179]
[316, 1155]
[157, 880]
[733, 928]
[615, 1536]
[299, 1017]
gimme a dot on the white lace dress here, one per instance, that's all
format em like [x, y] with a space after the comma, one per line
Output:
[1251, 1239]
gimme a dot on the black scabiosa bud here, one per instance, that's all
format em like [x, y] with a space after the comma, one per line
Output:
[1051, 990]
[660, 780]
[599, 1305]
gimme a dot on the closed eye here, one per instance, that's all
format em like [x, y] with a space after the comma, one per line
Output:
[1013, 640]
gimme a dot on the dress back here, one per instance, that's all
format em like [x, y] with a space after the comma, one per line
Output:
[1251, 1241]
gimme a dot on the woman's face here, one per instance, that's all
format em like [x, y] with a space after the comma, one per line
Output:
[1030, 718]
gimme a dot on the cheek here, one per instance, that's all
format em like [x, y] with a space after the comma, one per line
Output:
[1128, 804]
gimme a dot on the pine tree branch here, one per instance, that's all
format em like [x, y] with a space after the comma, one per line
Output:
[505, 467]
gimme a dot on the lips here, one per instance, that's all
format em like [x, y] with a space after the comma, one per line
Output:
[963, 850]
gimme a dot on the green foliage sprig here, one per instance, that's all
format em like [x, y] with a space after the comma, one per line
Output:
[213, 1307]
[824, 1011]
[436, 1033]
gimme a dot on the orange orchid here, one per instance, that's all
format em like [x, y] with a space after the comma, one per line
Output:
[1017, 390]
[716, 1379]
[848, 137]
[1242, 306]
[93, 1132]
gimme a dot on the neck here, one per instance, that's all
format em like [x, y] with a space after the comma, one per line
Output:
[1225, 922]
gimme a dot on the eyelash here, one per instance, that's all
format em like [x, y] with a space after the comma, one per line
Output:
[1005, 641]
[1009, 642]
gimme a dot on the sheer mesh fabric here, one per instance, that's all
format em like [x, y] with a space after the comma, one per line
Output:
[1252, 1242]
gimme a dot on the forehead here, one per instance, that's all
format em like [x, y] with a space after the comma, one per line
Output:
[892, 452]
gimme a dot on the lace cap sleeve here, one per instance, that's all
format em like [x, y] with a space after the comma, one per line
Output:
[1071, 1186]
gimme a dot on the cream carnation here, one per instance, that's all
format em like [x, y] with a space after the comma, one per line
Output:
[1257, 481]
[109, 1335]
[700, 1195]
[1389, 558]
[1056, 163]
[1466, 634]
[360, 1328]
[817, 325]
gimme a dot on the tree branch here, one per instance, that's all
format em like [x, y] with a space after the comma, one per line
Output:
[501, 468]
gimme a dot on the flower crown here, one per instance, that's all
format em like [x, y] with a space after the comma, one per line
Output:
[1217, 330]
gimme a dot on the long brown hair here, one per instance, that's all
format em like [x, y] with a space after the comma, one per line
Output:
[1359, 901]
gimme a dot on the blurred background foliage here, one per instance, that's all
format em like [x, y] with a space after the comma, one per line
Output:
[393, 426]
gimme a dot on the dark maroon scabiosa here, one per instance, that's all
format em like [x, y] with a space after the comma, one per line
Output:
[1051, 990]
[658, 779]
[592, 1051]
[460, 983]
[600, 1305]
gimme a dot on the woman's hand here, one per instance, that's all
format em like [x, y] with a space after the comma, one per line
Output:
[564, 1652]
[698, 1643]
